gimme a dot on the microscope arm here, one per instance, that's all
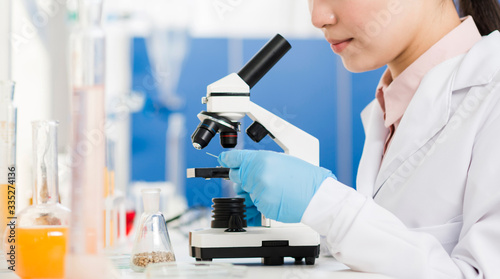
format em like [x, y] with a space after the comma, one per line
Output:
[291, 139]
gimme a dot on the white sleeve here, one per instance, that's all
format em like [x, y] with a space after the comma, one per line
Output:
[369, 238]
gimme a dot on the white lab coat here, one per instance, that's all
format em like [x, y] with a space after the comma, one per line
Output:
[432, 208]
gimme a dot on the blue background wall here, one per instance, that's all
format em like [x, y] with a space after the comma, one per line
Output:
[302, 88]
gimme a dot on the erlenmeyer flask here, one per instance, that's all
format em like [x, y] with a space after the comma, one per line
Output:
[152, 243]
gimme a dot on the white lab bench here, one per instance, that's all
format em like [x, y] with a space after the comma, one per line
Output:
[325, 267]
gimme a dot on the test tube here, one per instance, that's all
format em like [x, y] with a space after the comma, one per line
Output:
[8, 121]
[109, 196]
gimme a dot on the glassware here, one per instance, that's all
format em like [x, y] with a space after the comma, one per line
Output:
[110, 212]
[152, 243]
[87, 144]
[42, 229]
[7, 161]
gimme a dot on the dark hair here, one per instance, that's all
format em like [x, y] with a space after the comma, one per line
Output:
[486, 14]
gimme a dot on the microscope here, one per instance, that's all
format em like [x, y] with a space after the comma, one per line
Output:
[228, 101]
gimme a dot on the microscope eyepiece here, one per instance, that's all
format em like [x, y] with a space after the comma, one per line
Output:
[264, 60]
[210, 126]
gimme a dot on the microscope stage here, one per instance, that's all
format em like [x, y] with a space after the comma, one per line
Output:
[271, 244]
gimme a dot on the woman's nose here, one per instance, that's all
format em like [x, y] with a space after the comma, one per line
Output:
[321, 13]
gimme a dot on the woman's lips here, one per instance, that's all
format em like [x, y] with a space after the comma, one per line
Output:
[338, 47]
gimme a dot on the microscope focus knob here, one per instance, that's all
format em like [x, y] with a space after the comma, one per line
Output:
[229, 213]
[257, 132]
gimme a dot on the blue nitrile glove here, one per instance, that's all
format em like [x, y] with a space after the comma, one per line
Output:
[253, 216]
[281, 186]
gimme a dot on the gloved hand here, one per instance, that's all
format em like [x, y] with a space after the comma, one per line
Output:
[253, 216]
[281, 186]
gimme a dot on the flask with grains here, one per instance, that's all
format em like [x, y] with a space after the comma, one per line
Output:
[152, 242]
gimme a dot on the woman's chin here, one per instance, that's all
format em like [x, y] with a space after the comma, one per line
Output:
[359, 65]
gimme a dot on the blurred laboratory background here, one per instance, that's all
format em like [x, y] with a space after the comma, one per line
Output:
[160, 57]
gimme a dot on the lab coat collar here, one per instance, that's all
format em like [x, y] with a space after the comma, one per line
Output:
[479, 66]
[429, 110]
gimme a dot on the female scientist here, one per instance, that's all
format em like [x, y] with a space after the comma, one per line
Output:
[427, 203]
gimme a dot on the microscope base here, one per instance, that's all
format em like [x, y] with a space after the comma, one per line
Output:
[271, 244]
[269, 255]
